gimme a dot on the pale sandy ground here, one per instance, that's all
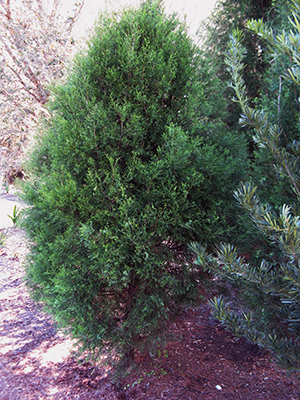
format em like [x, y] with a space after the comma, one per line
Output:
[29, 329]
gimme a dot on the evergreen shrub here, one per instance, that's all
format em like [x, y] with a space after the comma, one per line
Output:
[120, 181]
[267, 308]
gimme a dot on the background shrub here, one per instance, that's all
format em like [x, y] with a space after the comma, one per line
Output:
[267, 309]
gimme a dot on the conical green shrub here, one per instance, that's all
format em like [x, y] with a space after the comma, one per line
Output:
[120, 182]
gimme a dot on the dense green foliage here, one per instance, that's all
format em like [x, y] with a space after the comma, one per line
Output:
[266, 89]
[124, 175]
[271, 289]
[229, 15]
[278, 97]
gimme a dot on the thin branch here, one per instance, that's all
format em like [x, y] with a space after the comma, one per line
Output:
[279, 98]
[73, 19]
[54, 10]
[23, 83]
[7, 10]
[29, 74]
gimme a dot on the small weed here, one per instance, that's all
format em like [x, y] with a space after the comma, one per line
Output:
[137, 382]
[3, 236]
[165, 353]
[16, 215]
[5, 185]
[150, 373]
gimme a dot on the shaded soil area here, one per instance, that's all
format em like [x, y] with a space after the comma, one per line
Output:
[202, 361]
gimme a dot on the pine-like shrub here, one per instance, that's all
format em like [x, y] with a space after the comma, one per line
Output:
[267, 308]
[119, 181]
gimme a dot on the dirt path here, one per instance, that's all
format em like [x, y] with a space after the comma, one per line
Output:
[203, 362]
[34, 358]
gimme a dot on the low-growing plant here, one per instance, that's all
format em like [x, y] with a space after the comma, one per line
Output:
[15, 215]
[3, 236]
[5, 185]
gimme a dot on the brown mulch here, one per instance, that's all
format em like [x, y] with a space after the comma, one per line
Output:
[203, 361]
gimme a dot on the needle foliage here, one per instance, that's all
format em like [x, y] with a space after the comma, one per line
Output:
[121, 179]
[272, 317]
